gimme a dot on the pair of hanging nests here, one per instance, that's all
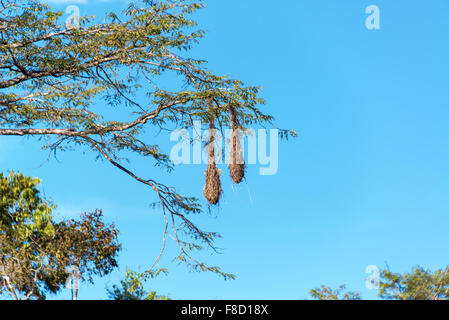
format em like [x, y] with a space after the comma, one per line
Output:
[212, 187]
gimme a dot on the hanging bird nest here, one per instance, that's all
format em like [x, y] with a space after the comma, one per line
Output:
[236, 160]
[212, 187]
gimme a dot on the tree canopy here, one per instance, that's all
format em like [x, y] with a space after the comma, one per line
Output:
[38, 253]
[132, 288]
[55, 79]
[327, 293]
[419, 284]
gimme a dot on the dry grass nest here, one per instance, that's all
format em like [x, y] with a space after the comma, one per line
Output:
[236, 161]
[212, 187]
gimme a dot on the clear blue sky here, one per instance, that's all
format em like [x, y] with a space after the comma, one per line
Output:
[365, 183]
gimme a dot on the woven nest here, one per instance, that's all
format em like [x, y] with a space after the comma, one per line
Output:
[236, 161]
[212, 187]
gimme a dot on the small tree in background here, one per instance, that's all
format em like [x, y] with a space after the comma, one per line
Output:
[326, 293]
[420, 284]
[37, 253]
[132, 288]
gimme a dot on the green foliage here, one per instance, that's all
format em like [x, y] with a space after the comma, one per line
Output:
[132, 288]
[419, 284]
[326, 293]
[22, 211]
[35, 251]
[53, 76]
[88, 243]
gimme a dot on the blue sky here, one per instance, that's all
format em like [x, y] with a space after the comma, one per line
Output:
[365, 183]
